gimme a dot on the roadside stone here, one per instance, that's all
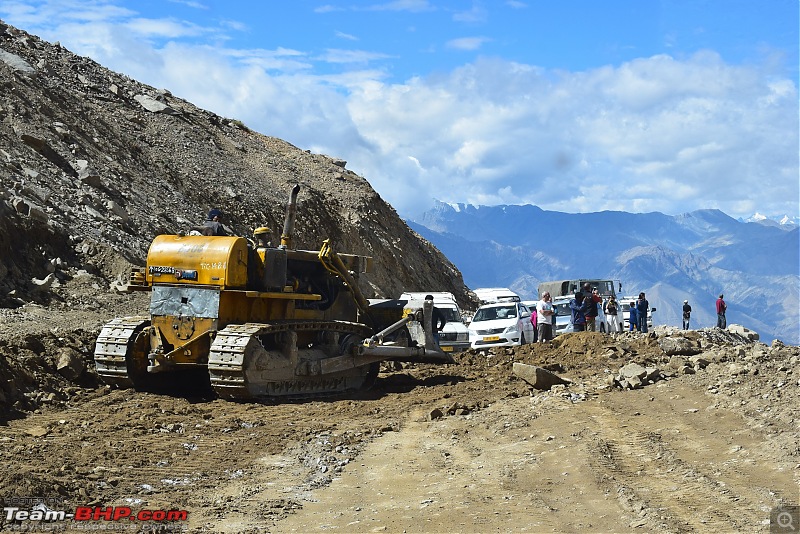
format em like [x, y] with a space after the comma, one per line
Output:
[742, 331]
[435, 414]
[633, 370]
[537, 377]
[678, 345]
[70, 364]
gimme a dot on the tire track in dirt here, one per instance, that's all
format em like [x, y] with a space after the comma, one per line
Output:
[676, 483]
[433, 476]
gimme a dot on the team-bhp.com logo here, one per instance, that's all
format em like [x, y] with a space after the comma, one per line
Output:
[42, 514]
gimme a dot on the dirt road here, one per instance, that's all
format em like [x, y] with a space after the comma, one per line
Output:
[462, 448]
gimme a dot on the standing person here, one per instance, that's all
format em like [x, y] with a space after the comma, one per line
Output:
[437, 319]
[722, 322]
[593, 298]
[641, 312]
[687, 312]
[545, 311]
[535, 323]
[633, 320]
[578, 308]
[611, 309]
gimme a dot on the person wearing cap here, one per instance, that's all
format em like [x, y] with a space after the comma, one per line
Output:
[722, 322]
[687, 312]
[214, 223]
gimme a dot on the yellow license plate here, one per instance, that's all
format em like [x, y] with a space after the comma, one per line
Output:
[447, 348]
[491, 338]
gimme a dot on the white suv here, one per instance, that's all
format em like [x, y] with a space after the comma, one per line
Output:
[501, 324]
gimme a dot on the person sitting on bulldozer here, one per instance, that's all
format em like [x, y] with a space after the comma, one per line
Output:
[212, 225]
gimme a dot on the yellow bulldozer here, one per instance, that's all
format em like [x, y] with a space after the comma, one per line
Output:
[261, 321]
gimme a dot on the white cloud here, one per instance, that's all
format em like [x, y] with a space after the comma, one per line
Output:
[475, 15]
[652, 134]
[347, 36]
[467, 43]
[190, 3]
[335, 55]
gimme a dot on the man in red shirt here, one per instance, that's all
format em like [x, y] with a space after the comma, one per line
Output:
[722, 322]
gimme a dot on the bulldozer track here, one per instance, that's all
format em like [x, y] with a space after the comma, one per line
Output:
[112, 347]
[226, 361]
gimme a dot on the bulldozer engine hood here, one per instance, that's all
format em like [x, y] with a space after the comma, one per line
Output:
[198, 260]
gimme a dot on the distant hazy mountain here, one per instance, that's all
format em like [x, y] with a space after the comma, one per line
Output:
[694, 256]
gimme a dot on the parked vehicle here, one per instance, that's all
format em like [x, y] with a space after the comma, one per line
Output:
[568, 288]
[501, 324]
[454, 337]
[496, 294]
[563, 315]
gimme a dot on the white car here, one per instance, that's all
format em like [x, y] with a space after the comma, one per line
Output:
[563, 315]
[501, 324]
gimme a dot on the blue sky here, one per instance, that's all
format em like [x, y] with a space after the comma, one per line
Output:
[632, 105]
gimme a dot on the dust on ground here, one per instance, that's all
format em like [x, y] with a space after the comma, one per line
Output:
[468, 447]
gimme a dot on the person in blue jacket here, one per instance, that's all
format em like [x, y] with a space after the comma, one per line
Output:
[578, 308]
[633, 320]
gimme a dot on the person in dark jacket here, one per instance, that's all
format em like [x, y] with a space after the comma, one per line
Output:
[687, 313]
[591, 299]
[611, 309]
[214, 223]
[641, 312]
[579, 308]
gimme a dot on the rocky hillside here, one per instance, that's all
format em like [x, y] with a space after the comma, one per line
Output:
[94, 164]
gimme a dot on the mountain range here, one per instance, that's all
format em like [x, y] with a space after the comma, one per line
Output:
[694, 256]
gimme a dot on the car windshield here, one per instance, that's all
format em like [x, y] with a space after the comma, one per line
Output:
[450, 315]
[562, 308]
[495, 312]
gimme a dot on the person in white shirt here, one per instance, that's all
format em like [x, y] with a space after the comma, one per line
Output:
[544, 308]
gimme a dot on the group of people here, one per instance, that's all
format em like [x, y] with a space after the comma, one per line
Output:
[585, 307]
